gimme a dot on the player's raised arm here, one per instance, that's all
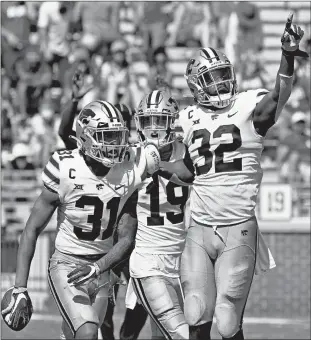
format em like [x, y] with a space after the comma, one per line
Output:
[126, 232]
[271, 105]
[68, 115]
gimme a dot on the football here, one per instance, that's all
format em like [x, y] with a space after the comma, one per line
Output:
[22, 311]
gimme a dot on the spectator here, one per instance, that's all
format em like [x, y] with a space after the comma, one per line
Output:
[302, 74]
[22, 131]
[221, 12]
[21, 157]
[192, 25]
[159, 70]
[99, 23]
[45, 126]
[294, 152]
[34, 77]
[15, 29]
[244, 34]
[253, 73]
[129, 21]
[154, 23]
[6, 124]
[4, 222]
[53, 24]
[115, 74]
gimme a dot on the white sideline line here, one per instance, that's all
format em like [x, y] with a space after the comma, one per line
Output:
[246, 320]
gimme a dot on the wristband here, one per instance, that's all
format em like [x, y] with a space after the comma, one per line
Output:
[296, 53]
[19, 290]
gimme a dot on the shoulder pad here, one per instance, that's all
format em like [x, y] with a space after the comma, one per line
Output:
[253, 95]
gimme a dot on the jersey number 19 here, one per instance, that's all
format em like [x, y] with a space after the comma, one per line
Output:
[153, 190]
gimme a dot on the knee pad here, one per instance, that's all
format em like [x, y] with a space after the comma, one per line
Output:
[88, 330]
[228, 322]
[195, 306]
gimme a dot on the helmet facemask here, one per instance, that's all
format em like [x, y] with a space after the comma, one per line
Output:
[105, 145]
[156, 128]
[215, 86]
[211, 78]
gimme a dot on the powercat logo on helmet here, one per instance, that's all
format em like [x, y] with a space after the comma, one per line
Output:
[86, 116]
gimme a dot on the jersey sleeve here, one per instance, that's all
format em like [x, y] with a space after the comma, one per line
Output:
[183, 122]
[260, 93]
[51, 174]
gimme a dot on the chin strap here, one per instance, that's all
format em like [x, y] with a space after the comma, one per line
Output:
[78, 142]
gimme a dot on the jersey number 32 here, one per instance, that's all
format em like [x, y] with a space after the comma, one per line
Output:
[204, 149]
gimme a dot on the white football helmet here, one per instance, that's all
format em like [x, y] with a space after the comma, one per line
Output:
[101, 133]
[211, 78]
[155, 118]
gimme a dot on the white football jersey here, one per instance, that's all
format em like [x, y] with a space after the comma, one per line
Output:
[160, 212]
[89, 205]
[226, 150]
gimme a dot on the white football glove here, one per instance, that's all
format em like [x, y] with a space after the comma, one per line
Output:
[153, 158]
[291, 38]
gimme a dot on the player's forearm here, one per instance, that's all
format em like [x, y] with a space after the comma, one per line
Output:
[270, 107]
[65, 127]
[118, 253]
[123, 247]
[176, 170]
[286, 70]
[40, 216]
[25, 254]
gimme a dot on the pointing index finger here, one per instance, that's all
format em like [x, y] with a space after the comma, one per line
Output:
[289, 21]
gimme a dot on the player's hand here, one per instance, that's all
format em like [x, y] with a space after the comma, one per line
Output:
[82, 274]
[16, 310]
[153, 158]
[78, 85]
[291, 37]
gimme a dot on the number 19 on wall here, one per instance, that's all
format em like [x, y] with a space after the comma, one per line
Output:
[275, 202]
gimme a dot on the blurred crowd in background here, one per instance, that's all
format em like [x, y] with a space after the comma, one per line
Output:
[122, 47]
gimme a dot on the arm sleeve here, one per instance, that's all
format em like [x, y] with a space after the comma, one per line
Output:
[51, 174]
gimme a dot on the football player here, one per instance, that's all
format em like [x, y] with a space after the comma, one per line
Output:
[224, 131]
[160, 238]
[129, 329]
[90, 187]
